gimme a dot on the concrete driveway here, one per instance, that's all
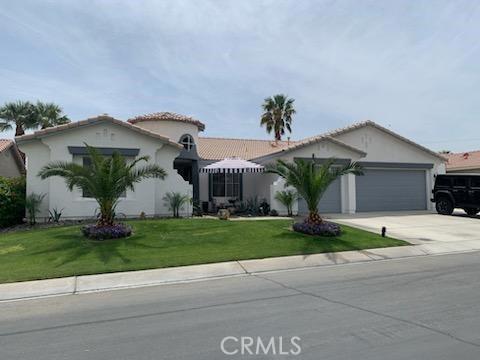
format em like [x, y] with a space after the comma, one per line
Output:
[417, 227]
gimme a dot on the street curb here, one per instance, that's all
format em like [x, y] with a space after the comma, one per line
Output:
[130, 279]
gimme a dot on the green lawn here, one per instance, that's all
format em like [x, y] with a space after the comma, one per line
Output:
[57, 252]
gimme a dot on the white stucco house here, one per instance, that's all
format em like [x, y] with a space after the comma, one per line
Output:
[399, 173]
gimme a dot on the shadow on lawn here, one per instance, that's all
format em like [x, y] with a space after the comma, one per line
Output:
[71, 249]
[310, 244]
[73, 246]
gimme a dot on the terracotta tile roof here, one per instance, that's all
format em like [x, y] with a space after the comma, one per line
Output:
[97, 119]
[220, 148]
[464, 161]
[168, 116]
[248, 149]
[5, 144]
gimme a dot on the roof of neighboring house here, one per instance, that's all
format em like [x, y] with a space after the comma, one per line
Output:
[464, 161]
[98, 119]
[365, 123]
[168, 116]
[5, 145]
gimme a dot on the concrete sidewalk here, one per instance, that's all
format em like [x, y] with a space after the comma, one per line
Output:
[120, 280]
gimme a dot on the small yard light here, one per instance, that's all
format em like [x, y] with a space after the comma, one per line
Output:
[384, 231]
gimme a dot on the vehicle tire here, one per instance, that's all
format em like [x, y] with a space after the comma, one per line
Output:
[444, 206]
[471, 211]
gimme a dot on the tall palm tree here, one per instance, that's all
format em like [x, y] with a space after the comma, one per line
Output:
[277, 115]
[50, 114]
[105, 180]
[312, 180]
[20, 114]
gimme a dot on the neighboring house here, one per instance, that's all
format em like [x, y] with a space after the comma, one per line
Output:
[11, 161]
[398, 172]
[467, 162]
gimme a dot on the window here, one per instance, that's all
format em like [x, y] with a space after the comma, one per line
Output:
[443, 181]
[87, 162]
[226, 185]
[187, 142]
[475, 182]
[460, 181]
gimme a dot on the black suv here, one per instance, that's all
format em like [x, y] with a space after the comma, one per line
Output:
[457, 191]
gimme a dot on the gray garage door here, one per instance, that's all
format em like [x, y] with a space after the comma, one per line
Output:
[391, 190]
[331, 201]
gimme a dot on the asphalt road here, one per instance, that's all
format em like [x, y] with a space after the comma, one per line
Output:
[417, 308]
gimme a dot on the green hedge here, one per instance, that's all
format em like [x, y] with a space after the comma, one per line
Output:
[12, 201]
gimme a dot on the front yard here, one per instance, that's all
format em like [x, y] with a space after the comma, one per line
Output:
[63, 251]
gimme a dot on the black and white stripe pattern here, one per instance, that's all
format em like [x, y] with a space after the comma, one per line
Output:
[233, 166]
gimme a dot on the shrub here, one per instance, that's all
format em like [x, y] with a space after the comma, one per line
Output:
[175, 202]
[197, 208]
[287, 198]
[273, 212]
[55, 215]
[32, 204]
[98, 232]
[324, 228]
[12, 201]
[264, 207]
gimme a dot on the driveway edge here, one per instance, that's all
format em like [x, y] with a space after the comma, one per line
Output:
[129, 279]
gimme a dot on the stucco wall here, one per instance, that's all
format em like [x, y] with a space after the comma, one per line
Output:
[37, 155]
[172, 129]
[323, 149]
[148, 194]
[383, 147]
[8, 164]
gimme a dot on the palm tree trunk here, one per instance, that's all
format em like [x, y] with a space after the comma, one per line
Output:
[278, 135]
[107, 216]
[19, 130]
[314, 217]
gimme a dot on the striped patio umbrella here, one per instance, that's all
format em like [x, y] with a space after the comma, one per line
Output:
[233, 165]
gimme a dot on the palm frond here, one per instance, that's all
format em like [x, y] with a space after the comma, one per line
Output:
[105, 180]
[277, 115]
[310, 179]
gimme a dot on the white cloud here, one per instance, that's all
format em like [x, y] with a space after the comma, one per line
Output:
[410, 65]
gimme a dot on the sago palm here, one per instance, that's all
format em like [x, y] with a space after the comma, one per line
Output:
[277, 115]
[312, 180]
[105, 180]
[20, 114]
[50, 114]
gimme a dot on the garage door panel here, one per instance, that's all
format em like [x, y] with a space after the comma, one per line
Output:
[391, 190]
[331, 200]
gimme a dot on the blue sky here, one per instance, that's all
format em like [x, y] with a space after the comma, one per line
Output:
[412, 66]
